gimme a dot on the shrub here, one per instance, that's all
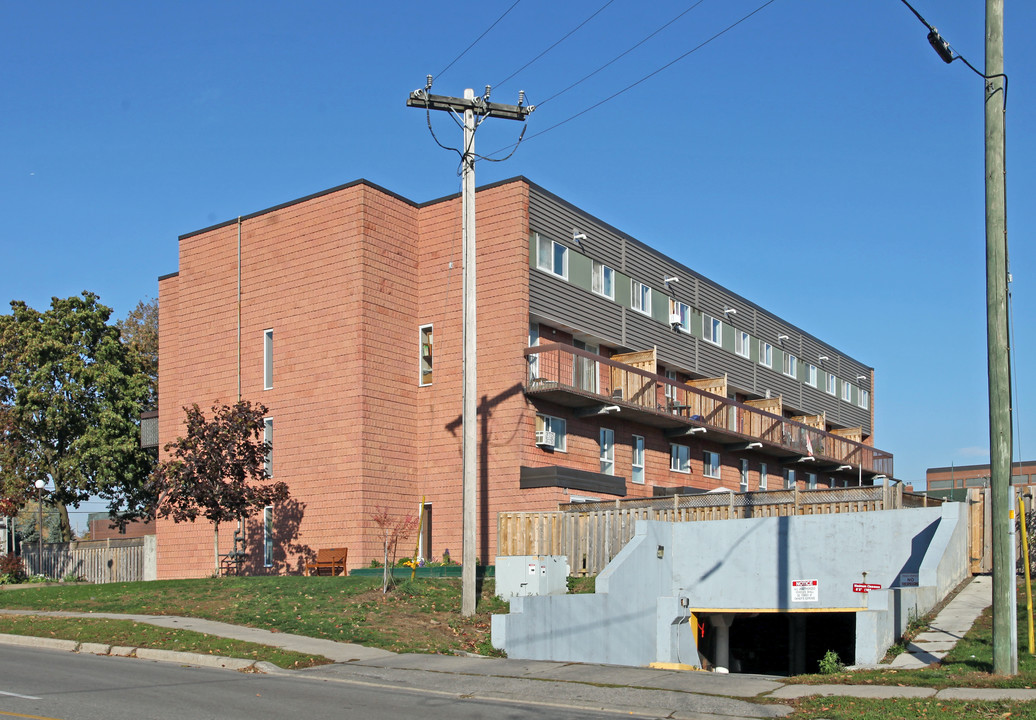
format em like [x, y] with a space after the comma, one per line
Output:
[12, 566]
[831, 664]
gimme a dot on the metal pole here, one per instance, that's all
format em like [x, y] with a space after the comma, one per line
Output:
[469, 447]
[39, 540]
[1005, 659]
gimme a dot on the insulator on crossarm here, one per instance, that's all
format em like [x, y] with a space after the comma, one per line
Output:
[488, 88]
[427, 82]
[521, 97]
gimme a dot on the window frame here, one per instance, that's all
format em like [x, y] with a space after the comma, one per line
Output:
[640, 297]
[268, 536]
[864, 400]
[789, 478]
[548, 422]
[425, 376]
[268, 438]
[711, 329]
[710, 464]
[743, 470]
[765, 354]
[742, 343]
[831, 385]
[683, 310]
[811, 481]
[268, 359]
[639, 454]
[680, 458]
[847, 391]
[603, 280]
[547, 256]
[791, 365]
[763, 477]
[811, 375]
[606, 440]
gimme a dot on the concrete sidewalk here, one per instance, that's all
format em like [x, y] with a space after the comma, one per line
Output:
[638, 690]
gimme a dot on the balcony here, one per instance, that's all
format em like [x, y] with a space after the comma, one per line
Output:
[628, 385]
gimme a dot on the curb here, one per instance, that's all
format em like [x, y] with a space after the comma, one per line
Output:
[172, 656]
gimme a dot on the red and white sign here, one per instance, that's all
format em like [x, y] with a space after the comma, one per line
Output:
[805, 591]
[865, 587]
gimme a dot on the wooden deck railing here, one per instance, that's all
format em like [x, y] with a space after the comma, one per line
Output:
[591, 534]
[563, 367]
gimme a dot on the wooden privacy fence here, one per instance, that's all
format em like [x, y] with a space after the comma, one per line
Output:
[591, 534]
[103, 561]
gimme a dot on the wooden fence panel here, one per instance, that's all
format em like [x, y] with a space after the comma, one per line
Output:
[92, 564]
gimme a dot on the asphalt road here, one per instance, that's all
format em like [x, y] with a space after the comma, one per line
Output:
[55, 685]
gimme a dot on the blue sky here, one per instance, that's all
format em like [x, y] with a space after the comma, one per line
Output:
[818, 159]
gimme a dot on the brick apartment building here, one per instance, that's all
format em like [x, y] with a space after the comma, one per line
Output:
[606, 370]
[953, 483]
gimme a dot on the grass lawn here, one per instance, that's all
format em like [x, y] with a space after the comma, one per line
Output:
[132, 634]
[839, 708]
[416, 616]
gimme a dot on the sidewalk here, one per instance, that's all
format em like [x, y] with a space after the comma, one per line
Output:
[580, 685]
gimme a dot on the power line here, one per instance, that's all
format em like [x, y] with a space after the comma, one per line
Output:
[484, 33]
[569, 34]
[643, 79]
[621, 55]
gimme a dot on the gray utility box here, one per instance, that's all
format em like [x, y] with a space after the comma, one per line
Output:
[518, 575]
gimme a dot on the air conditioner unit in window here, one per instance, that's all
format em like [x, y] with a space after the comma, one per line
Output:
[545, 438]
[675, 322]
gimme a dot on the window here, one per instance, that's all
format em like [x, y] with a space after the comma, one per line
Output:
[680, 316]
[679, 458]
[865, 398]
[551, 432]
[744, 475]
[741, 343]
[607, 440]
[711, 329]
[585, 370]
[638, 460]
[551, 256]
[425, 340]
[765, 354]
[267, 359]
[847, 391]
[670, 390]
[534, 360]
[762, 476]
[268, 536]
[640, 296]
[604, 280]
[789, 478]
[831, 384]
[811, 375]
[791, 365]
[710, 462]
[268, 439]
[811, 481]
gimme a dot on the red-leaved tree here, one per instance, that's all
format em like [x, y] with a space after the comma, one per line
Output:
[218, 469]
[392, 531]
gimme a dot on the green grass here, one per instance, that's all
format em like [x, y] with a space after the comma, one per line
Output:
[132, 634]
[416, 616]
[969, 664]
[840, 708]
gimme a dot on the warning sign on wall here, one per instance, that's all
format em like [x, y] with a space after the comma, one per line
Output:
[805, 591]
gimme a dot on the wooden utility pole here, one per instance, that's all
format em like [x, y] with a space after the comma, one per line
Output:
[470, 106]
[1005, 653]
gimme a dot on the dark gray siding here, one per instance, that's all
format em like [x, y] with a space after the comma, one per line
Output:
[614, 323]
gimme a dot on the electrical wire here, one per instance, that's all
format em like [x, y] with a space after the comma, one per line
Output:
[565, 37]
[645, 78]
[484, 33]
[620, 55]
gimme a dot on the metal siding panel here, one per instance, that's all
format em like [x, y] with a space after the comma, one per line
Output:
[554, 299]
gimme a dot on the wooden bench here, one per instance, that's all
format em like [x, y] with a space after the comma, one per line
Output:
[330, 559]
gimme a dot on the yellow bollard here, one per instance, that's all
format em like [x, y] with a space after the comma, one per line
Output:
[1028, 579]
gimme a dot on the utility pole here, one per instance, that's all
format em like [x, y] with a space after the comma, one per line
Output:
[470, 106]
[1005, 654]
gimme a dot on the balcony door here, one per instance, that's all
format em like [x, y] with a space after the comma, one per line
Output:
[584, 370]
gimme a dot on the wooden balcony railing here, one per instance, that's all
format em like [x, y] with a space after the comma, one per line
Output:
[591, 379]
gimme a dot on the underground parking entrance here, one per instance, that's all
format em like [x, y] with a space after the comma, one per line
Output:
[775, 642]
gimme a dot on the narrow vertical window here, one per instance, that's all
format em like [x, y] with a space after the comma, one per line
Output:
[765, 354]
[640, 297]
[762, 476]
[268, 439]
[268, 359]
[534, 360]
[831, 384]
[847, 391]
[607, 438]
[425, 339]
[712, 329]
[741, 343]
[603, 280]
[710, 463]
[811, 481]
[638, 459]
[744, 475]
[811, 375]
[865, 399]
[791, 366]
[789, 478]
[268, 536]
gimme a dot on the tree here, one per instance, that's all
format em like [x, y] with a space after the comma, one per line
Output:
[139, 330]
[217, 469]
[392, 533]
[70, 401]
